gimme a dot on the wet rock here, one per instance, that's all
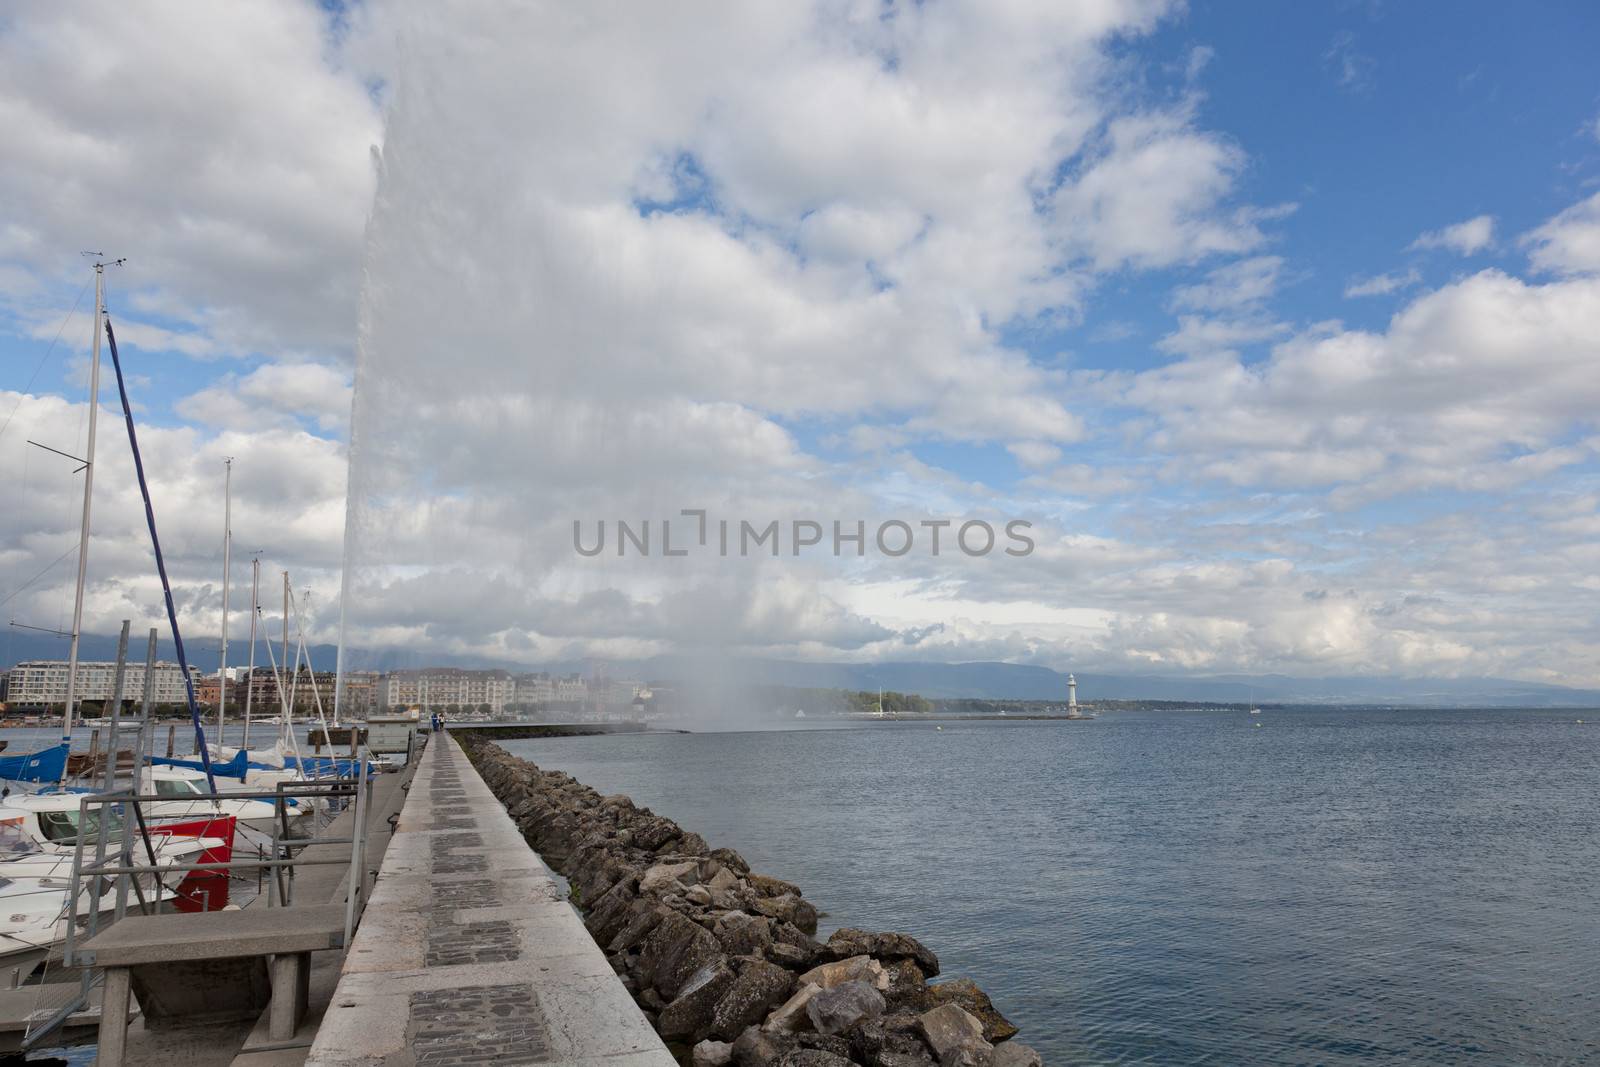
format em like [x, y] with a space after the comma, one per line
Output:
[837, 1009]
[710, 1053]
[791, 1016]
[849, 941]
[664, 876]
[689, 1014]
[855, 969]
[757, 989]
[1011, 1054]
[965, 992]
[953, 1035]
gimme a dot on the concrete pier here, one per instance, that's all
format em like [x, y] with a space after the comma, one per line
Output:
[469, 952]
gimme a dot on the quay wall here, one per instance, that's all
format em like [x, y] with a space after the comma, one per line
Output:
[723, 960]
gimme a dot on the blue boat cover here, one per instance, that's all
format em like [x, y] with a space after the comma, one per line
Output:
[46, 765]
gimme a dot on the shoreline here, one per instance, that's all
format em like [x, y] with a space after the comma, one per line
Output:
[723, 960]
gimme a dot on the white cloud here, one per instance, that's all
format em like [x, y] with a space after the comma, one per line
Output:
[1463, 238]
[1382, 284]
[1569, 243]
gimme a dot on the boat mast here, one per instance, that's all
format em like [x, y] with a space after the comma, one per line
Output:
[227, 560]
[288, 715]
[88, 498]
[250, 674]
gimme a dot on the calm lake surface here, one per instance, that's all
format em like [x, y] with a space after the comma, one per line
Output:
[1333, 887]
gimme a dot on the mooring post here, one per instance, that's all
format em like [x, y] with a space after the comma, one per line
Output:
[172, 739]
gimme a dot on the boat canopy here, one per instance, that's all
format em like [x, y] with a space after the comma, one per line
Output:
[46, 765]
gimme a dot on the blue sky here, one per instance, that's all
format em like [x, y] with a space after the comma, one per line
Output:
[1272, 317]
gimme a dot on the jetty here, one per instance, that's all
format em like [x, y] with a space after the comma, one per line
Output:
[465, 950]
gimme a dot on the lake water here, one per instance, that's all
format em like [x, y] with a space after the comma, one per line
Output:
[1331, 887]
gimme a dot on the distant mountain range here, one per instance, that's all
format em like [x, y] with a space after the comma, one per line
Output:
[997, 681]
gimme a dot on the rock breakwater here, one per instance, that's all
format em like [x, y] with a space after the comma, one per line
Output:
[724, 961]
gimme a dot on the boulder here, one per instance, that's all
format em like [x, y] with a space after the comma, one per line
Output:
[837, 1009]
[791, 1015]
[788, 908]
[698, 895]
[673, 951]
[908, 986]
[689, 1014]
[758, 1047]
[757, 989]
[730, 859]
[771, 887]
[643, 916]
[692, 844]
[741, 934]
[651, 833]
[890, 1039]
[663, 876]
[965, 992]
[1011, 1054]
[723, 879]
[788, 955]
[710, 1053]
[849, 941]
[855, 969]
[954, 1035]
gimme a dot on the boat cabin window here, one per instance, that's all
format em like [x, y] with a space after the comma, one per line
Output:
[14, 839]
[177, 787]
[62, 826]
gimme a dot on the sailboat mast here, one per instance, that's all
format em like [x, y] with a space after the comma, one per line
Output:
[88, 499]
[250, 673]
[288, 715]
[227, 561]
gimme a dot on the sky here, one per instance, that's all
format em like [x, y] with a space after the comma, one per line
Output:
[1276, 323]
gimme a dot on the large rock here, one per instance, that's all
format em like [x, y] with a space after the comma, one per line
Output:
[849, 941]
[1011, 1054]
[788, 955]
[770, 887]
[791, 1015]
[855, 969]
[758, 1047]
[889, 1041]
[758, 988]
[672, 952]
[654, 832]
[689, 1014]
[660, 878]
[954, 1035]
[908, 987]
[791, 909]
[835, 1010]
[742, 934]
[643, 917]
[965, 992]
[730, 859]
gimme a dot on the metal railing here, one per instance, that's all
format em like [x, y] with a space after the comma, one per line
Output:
[133, 875]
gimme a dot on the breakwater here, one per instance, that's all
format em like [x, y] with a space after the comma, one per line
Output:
[723, 960]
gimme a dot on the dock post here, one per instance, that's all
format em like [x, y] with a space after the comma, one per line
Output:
[113, 1040]
[172, 739]
[291, 988]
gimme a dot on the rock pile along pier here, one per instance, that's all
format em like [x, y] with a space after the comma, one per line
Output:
[723, 960]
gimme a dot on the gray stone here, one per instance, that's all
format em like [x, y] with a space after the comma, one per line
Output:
[757, 1047]
[791, 909]
[689, 1014]
[955, 1036]
[710, 1053]
[699, 895]
[807, 1057]
[791, 1016]
[855, 969]
[837, 1009]
[787, 955]
[723, 879]
[849, 941]
[1011, 1054]
[965, 992]
[662, 876]
[759, 986]
[741, 934]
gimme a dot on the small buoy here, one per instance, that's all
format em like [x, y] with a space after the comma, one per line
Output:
[938, 727]
[1258, 726]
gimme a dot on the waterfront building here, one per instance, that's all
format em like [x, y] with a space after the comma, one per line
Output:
[40, 682]
[360, 693]
[572, 688]
[440, 687]
[264, 699]
[536, 688]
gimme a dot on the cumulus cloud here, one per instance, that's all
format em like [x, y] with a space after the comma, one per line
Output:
[1463, 238]
[1569, 243]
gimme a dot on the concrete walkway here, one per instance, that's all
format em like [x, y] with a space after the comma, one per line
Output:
[469, 952]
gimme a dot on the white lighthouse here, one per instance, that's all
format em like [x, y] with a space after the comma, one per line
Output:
[1072, 694]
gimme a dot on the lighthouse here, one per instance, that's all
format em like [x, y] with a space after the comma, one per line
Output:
[1072, 694]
